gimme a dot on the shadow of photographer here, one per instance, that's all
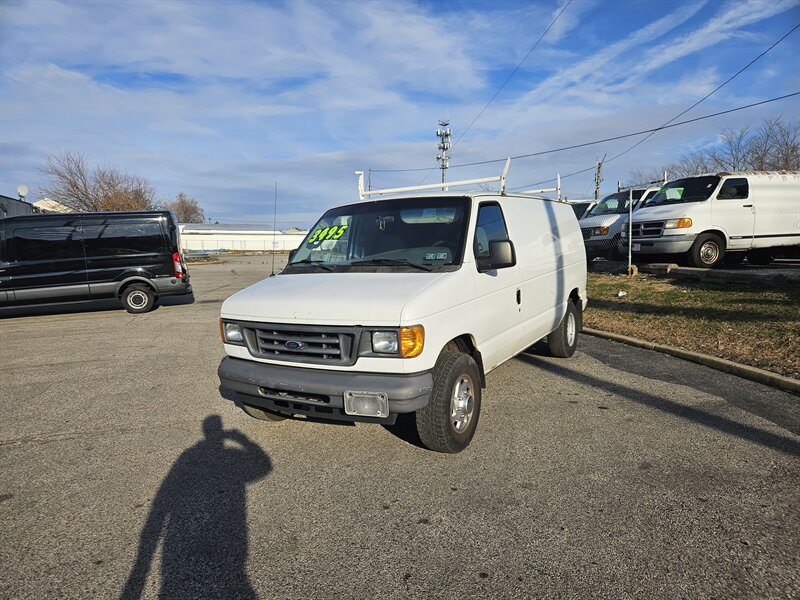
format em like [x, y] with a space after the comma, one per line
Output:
[199, 515]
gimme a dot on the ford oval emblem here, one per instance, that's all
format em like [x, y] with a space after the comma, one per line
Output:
[294, 345]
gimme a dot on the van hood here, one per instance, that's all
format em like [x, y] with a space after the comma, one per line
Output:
[600, 220]
[663, 213]
[328, 298]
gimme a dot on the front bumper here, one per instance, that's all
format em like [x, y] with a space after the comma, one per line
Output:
[673, 244]
[318, 393]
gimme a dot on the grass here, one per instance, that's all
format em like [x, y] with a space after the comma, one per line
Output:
[756, 325]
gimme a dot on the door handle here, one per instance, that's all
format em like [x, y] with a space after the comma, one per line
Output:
[747, 206]
[519, 297]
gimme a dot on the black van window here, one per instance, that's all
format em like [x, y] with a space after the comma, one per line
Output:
[115, 239]
[490, 227]
[44, 243]
[734, 189]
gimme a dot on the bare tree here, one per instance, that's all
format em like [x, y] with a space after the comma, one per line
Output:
[73, 183]
[186, 209]
[773, 146]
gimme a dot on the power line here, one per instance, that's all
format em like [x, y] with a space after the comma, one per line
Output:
[711, 93]
[500, 89]
[650, 132]
[609, 139]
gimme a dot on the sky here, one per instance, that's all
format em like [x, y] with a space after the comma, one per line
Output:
[221, 100]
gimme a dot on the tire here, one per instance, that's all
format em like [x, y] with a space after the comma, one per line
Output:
[448, 422]
[707, 251]
[262, 414]
[138, 298]
[564, 340]
[760, 257]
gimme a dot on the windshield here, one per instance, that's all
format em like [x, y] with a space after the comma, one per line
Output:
[425, 234]
[691, 189]
[613, 204]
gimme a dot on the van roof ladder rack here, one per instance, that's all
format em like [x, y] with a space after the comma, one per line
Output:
[556, 189]
[444, 186]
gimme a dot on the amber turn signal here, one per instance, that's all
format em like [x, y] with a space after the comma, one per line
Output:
[412, 341]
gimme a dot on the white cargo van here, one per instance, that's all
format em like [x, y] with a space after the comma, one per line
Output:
[706, 217]
[602, 224]
[404, 304]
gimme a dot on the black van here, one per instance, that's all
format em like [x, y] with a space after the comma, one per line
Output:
[133, 256]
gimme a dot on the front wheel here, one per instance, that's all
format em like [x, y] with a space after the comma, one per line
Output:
[564, 340]
[448, 422]
[707, 250]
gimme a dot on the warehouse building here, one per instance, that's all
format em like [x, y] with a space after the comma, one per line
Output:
[197, 237]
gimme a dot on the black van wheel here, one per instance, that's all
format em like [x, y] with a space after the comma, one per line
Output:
[564, 340]
[448, 422]
[261, 414]
[138, 298]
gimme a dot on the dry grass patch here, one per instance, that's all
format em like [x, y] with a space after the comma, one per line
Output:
[756, 325]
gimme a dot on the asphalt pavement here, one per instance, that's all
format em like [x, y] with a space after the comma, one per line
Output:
[619, 473]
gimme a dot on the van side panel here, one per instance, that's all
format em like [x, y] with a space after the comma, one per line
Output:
[45, 261]
[777, 210]
[552, 262]
[118, 248]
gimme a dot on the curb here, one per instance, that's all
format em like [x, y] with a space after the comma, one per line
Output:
[673, 270]
[728, 366]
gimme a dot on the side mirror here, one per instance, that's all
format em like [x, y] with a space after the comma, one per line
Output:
[501, 256]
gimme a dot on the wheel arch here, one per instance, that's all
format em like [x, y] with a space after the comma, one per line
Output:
[465, 343]
[131, 280]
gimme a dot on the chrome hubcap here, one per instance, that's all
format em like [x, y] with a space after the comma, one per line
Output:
[462, 403]
[571, 329]
[709, 252]
[137, 299]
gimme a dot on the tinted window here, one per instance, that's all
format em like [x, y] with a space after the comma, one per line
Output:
[734, 189]
[121, 238]
[691, 189]
[45, 243]
[491, 227]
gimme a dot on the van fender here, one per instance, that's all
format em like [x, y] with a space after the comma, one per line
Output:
[466, 344]
[717, 230]
[135, 279]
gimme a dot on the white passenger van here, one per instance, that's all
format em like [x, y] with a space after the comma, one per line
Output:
[719, 216]
[405, 304]
[601, 225]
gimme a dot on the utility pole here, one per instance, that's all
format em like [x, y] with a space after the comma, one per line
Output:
[443, 156]
[598, 177]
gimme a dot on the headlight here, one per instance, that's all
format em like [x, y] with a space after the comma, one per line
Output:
[678, 223]
[600, 231]
[385, 342]
[231, 333]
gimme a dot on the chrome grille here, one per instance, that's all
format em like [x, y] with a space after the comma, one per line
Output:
[302, 343]
[647, 229]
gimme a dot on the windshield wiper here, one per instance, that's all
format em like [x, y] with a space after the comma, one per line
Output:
[400, 262]
[313, 263]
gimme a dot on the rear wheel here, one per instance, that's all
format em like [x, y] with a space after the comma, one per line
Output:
[448, 422]
[138, 298]
[707, 250]
[262, 414]
[564, 340]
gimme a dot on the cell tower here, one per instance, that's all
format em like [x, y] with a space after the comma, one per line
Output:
[443, 133]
